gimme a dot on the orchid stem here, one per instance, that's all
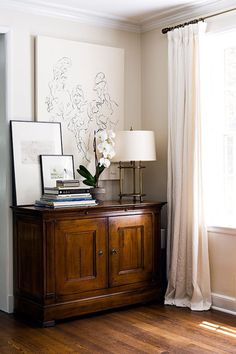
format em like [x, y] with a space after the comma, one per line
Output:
[96, 158]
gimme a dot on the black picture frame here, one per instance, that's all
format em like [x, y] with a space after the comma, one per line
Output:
[30, 139]
[56, 167]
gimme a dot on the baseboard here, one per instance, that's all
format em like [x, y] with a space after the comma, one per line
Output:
[224, 303]
[10, 303]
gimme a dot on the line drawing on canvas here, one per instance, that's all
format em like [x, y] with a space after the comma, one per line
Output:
[79, 115]
[80, 85]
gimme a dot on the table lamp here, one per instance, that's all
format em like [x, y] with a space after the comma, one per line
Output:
[134, 146]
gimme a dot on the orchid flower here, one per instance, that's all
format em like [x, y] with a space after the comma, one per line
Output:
[104, 145]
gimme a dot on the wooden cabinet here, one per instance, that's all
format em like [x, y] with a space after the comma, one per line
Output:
[74, 261]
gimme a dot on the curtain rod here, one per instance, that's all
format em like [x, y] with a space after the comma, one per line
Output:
[167, 29]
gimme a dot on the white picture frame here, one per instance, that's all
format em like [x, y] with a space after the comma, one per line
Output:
[80, 85]
[29, 141]
[56, 167]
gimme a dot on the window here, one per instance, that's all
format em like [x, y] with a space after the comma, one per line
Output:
[219, 128]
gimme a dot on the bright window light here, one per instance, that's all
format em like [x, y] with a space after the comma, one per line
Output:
[219, 128]
[218, 328]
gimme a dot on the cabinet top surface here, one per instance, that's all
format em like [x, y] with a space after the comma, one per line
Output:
[105, 206]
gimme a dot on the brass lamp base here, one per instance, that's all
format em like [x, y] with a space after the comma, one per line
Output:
[136, 197]
[137, 177]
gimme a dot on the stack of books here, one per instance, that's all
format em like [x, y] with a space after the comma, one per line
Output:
[68, 183]
[66, 194]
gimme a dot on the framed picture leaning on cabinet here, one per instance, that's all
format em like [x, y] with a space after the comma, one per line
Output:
[29, 141]
[56, 167]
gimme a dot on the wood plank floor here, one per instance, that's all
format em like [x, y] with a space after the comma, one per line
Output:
[142, 329]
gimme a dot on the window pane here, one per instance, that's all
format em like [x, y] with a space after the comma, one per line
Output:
[220, 130]
[230, 88]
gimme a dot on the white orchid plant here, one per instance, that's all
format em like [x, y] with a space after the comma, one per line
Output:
[103, 147]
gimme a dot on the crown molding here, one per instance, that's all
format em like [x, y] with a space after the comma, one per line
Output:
[38, 7]
[4, 30]
[185, 13]
[167, 18]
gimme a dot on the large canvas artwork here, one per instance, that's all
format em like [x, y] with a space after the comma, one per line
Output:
[80, 85]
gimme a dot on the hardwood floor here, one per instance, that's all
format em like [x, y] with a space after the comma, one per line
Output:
[142, 329]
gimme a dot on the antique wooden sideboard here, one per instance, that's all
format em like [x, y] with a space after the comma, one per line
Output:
[74, 261]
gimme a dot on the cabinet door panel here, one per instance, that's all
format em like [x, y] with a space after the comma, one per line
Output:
[80, 256]
[131, 246]
[131, 251]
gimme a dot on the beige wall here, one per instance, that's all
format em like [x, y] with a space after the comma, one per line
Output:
[23, 28]
[154, 109]
[222, 246]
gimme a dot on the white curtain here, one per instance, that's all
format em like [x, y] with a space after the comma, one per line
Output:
[188, 276]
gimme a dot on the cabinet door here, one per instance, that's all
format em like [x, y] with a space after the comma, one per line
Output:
[80, 254]
[131, 251]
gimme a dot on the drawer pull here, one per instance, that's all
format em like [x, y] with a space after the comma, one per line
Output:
[113, 251]
[100, 253]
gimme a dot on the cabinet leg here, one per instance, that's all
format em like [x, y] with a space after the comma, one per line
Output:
[48, 324]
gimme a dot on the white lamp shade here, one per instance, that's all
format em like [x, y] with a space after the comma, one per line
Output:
[135, 145]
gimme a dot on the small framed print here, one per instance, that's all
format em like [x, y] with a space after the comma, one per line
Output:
[56, 167]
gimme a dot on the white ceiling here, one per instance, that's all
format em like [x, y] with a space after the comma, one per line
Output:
[129, 15]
